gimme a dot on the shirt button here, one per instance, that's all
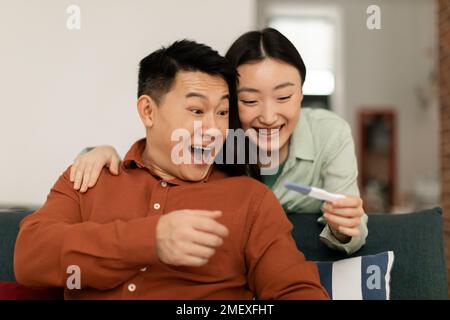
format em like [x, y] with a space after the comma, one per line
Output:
[164, 184]
[156, 206]
[131, 287]
[144, 269]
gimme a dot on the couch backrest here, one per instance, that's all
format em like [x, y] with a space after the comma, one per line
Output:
[417, 241]
[9, 227]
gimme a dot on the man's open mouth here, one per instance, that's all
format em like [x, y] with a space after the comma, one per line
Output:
[201, 155]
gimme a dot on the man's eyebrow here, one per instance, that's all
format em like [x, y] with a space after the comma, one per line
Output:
[202, 96]
[195, 95]
[283, 85]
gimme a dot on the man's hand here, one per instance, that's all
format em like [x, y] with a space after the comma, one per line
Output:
[87, 167]
[344, 217]
[189, 237]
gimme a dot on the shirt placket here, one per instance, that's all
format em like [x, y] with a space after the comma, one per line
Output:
[158, 199]
[157, 205]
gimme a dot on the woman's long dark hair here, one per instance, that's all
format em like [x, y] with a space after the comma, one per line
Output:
[255, 46]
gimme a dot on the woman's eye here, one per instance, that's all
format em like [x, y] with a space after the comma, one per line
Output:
[286, 98]
[223, 113]
[249, 102]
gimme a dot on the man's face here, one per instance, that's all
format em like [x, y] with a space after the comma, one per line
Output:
[197, 104]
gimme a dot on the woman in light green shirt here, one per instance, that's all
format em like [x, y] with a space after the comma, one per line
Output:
[315, 147]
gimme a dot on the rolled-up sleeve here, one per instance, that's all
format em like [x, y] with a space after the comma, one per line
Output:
[355, 243]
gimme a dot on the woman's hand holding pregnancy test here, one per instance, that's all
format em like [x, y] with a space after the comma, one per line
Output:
[343, 213]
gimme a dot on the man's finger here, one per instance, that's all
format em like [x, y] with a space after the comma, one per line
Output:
[211, 226]
[199, 251]
[207, 213]
[193, 261]
[206, 239]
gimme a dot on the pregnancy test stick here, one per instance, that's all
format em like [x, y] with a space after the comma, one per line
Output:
[313, 192]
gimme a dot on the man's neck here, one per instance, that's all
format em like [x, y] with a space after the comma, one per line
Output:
[155, 169]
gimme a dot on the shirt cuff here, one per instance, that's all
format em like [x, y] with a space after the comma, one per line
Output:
[139, 245]
[328, 238]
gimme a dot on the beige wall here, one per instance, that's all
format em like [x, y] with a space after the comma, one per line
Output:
[62, 90]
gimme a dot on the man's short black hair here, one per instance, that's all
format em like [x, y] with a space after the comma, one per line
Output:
[158, 70]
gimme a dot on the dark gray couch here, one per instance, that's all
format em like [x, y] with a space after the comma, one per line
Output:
[417, 241]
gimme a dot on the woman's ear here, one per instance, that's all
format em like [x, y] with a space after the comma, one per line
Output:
[146, 107]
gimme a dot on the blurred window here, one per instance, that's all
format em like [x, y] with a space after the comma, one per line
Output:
[314, 37]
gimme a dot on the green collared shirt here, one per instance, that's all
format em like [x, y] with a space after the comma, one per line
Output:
[321, 154]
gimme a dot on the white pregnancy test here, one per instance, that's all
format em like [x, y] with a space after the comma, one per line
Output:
[314, 192]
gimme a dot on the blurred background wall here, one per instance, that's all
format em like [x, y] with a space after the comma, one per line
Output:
[63, 90]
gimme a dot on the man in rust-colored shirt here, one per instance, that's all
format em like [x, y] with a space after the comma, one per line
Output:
[164, 229]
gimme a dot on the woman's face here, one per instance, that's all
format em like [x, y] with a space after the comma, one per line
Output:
[269, 98]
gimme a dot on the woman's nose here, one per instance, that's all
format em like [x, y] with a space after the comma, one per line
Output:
[268, 115]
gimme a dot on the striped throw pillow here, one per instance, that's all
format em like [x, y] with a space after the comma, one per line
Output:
[358, 278]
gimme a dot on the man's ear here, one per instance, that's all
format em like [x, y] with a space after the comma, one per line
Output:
[146, 107]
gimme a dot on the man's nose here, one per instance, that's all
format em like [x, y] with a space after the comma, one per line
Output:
[209, 122]
[210, 128]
